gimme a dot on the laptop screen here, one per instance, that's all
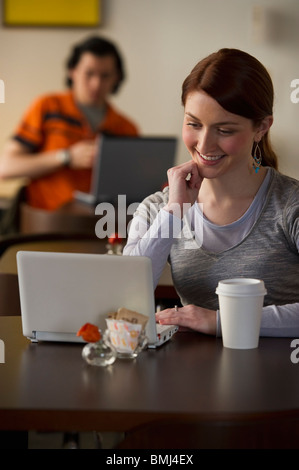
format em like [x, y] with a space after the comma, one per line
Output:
[131, 166]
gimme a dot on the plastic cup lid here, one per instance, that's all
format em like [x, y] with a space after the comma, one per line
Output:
[241, 287]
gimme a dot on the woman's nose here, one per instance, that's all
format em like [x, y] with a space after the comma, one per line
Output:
[206, 143]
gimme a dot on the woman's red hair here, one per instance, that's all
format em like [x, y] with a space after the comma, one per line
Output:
[241, 85]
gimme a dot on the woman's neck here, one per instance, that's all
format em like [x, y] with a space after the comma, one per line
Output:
[227, 198]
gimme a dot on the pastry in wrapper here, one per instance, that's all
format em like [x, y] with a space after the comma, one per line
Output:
[125, 329]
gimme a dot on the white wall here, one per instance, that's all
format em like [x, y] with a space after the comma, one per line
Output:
[161, 41]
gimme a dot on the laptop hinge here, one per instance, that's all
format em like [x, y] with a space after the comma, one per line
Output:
[53, 336]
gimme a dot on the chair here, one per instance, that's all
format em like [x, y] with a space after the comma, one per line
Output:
[10, 218]
[9, 295]
[19, 216]
[165, 292]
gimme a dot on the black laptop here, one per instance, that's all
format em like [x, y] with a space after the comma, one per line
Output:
[132, 166]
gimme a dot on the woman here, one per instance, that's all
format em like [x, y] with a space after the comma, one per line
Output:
[228, 211]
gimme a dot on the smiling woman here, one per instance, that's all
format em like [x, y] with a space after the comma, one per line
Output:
[226, 76]
[242, 213]
[217, 137]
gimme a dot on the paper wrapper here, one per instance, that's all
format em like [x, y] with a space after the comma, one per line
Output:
[125, 329]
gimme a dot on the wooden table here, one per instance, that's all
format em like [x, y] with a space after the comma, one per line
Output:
[74, 216]
[49, 387]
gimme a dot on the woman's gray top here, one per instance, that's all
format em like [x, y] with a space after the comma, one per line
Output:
[263, 244]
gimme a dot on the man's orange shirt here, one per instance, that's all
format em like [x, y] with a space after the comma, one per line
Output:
[54, 122]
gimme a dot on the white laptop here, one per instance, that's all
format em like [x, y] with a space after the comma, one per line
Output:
[60, 292]
[130, 166]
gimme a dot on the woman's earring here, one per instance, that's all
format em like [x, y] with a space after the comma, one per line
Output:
[257, 158]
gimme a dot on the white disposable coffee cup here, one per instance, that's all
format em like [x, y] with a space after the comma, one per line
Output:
[241, 303]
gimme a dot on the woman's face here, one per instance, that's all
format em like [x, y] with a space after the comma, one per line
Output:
[217, 140]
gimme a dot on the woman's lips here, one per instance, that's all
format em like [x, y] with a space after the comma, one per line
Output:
[210, 159]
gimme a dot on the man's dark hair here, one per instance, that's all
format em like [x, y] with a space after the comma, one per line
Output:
[100, 47]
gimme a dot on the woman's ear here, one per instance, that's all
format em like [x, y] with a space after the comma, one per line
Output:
[263, 128]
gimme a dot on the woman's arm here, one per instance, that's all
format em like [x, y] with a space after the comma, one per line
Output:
[153, 241]
[282, 320]
[158, 220]
[279, 321]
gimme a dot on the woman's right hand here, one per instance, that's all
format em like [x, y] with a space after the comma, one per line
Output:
[184, 183]
[190, 317]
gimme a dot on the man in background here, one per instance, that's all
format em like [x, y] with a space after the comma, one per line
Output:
[55, 143]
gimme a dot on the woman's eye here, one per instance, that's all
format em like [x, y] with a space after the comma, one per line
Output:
[193, 124]
[225, 132]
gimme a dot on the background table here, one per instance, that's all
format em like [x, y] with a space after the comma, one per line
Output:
[190, 379]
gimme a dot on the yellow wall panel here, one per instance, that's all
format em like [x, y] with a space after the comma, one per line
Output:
[52, 12]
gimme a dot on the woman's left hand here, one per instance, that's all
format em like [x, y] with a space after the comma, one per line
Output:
[189, 317]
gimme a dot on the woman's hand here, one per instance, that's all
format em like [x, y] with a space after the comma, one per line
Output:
[189, 317]
[184, 183]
